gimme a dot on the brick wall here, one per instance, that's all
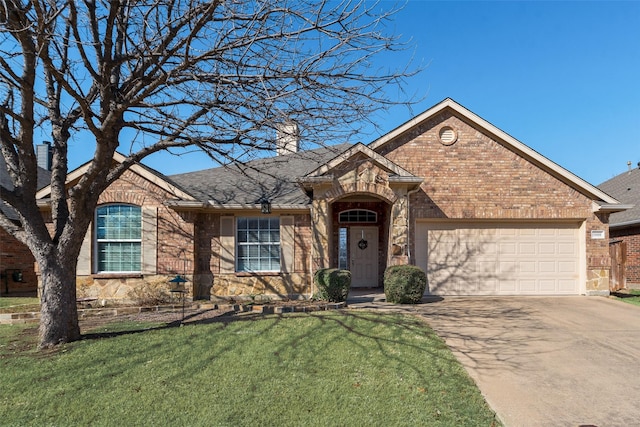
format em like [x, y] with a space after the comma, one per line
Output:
[631, 235]
[209, 280]
[477, 177]
[175, 231]
[16, 256]
[174, 240]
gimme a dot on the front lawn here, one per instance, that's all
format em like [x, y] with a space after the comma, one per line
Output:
[336, 368]
[19, 304]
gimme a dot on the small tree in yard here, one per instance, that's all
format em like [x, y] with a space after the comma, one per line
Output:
[218, 76]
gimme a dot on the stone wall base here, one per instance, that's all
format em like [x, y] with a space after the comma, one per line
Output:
[597, 281]
[275, 286]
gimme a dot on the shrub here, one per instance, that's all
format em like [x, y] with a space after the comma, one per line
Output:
[404, 284]
[332, 284]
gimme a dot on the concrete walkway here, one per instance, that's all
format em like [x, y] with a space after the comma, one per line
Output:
[542, 361]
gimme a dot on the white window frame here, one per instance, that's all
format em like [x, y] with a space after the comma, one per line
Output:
[239, 244]
[99, 241]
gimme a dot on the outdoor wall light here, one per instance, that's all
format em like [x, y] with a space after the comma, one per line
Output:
[265, 206]
[16, 276]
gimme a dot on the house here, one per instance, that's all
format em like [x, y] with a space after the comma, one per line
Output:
[624, 227]
[480, 212]
[17, 264]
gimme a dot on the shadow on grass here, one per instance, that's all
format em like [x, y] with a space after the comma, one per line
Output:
[202, 317]
[624, 295]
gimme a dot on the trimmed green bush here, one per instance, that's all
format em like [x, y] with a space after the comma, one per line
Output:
[404, 284]
[332, 284]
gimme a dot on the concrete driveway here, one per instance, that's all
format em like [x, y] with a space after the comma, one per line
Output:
[543, 361]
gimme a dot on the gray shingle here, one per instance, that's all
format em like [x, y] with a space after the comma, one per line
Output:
[626, 189]
[245, 184]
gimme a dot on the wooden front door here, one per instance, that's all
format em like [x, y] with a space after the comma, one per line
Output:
[363, 253]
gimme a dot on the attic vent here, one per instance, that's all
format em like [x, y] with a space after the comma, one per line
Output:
[447, 135]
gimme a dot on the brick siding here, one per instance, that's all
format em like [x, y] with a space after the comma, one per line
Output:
[16, 256]
[631, 235]
[477, 178]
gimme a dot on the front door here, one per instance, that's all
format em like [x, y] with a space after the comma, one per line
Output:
[363, 253]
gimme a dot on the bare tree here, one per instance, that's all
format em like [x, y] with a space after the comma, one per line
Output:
[144, 76]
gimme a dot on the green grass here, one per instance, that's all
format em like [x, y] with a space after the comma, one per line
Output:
[631, 297]
[325, 369]
[19, 304]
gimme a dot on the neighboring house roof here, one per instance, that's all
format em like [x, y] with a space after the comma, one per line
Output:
[44, 178]
[606, 202]
[246, 185]
[626, 188]
[146, 172]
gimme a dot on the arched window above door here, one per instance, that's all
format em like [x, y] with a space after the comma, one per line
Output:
[358, 215]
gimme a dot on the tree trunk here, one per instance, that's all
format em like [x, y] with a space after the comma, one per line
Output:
[58, 312]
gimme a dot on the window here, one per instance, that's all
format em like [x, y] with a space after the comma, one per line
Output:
[118, 238]
[358, 215]
[342, 249]
[258, 244]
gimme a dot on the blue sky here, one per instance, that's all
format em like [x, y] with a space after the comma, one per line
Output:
[561, 77]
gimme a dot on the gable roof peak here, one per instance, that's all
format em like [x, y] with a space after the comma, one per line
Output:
[146, 172]
[505, 139]
[360, 148]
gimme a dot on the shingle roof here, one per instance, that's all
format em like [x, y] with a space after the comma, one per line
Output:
[626, 188]
[44, 178]
[246, 184]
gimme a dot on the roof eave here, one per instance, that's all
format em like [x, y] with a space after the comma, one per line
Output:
[613, 207]
[212, 205]
[624, 224]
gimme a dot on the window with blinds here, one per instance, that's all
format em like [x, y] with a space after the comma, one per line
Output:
[258, 244]
[118, 238]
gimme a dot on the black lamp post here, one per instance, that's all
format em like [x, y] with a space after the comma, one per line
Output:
[177, 286]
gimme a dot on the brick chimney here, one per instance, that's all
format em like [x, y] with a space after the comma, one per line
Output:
[287, 138]
[44, 154]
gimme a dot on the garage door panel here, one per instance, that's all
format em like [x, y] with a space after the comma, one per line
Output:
[527, 248]
[507, 286]
[567, 267]
[566, 248]
[528, 286]
[566, 286]
[548, 248]
[472, 260]
[528, 267]
[547, 267]
[547, 286]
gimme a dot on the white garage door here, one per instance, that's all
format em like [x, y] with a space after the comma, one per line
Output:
[508, 259]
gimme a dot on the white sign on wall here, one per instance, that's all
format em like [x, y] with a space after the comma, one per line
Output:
[597, 234]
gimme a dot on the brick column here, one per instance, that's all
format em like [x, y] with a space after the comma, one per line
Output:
[399, 230]
[320, 234]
